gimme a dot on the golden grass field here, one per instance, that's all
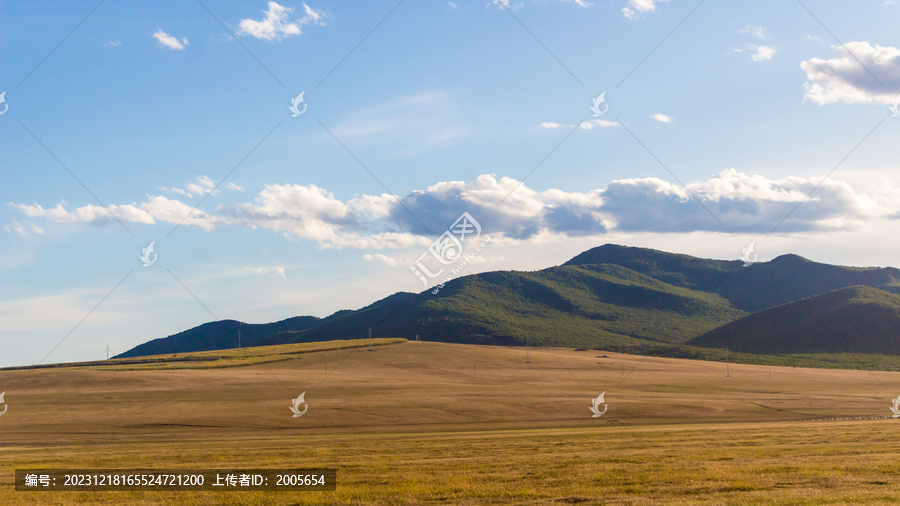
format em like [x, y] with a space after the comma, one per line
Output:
[433, 423]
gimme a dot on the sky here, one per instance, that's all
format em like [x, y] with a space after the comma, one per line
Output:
[289, 158]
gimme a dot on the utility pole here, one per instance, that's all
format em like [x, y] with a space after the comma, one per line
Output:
[370, 338]
[527, 361]
[770, 371]
[107, 352]
[239, 338]
[727, 375]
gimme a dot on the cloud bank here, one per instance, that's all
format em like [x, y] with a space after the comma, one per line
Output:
[508, 208]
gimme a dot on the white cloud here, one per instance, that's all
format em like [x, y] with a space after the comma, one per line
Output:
[174, 211]
[169, 41]
[235, 187]
[25, 229]
[310, 212]
[263, 271]
[506, 4]
[584, 125]
[453, 5]
[113, 43]
[202, 185]
[743, 202]
[662, 118]
[759, 53]
[392, 262]
[762, 53]
[277, 22]
[523, 214]
[637, 7]
[591, 124]
[843, 79]
[91, 214]
[313, 16]
[756, 31]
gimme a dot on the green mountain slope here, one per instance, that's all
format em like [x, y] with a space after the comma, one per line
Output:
[569, 305]
[857, 319]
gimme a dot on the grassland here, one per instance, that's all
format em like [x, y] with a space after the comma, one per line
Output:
[431, 423]
[236, 357]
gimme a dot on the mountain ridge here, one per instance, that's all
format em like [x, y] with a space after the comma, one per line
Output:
[610, 295]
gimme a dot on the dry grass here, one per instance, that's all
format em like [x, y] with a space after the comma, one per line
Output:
[236, 357]
[415, 423]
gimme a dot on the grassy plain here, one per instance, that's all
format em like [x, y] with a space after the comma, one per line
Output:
[432, 423]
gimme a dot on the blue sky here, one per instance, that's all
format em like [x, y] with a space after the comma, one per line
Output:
[723, 119]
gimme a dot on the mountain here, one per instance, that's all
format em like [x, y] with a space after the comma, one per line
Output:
[218, 335]
[583, 305]
[856, 319]
[761, 285]
[607, 296]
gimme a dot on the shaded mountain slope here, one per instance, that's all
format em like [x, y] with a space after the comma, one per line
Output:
[857, 319]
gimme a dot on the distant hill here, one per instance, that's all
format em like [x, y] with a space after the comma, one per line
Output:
[857, 319]
[607, 296]
[218, 335]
